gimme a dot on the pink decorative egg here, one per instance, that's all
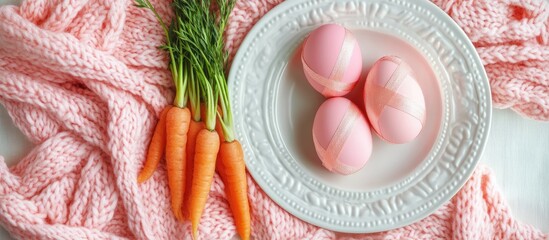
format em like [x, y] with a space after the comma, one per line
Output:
[331, 59]
[341, 136]
[394, 101]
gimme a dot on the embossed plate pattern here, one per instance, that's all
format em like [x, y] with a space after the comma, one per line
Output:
[274, 107]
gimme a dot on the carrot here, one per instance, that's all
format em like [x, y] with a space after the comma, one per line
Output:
[191, 63]
[205, 60]
[156, 148]
[230, 164]
[177, 127]
[194, 129]
[207, 147]
[233, 172]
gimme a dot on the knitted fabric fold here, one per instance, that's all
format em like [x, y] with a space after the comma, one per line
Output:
[85, 82]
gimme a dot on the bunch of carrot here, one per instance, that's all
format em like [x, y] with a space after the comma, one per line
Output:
[196, 133]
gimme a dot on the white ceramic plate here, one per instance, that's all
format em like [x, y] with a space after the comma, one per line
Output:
[274, 107]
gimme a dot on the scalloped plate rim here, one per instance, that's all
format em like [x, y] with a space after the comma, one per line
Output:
[280, 8]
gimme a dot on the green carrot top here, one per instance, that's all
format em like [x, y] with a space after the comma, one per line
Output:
[198, 59]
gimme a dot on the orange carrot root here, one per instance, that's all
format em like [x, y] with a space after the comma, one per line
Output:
[233, 173]
[194, 129]
[207, 147]
[177, 127]
[156, 148]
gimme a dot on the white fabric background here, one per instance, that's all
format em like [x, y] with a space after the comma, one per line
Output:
[517, 151]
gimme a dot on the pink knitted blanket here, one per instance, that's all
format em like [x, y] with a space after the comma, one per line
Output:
[84, 81]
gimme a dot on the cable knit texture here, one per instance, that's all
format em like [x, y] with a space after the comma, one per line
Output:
[85, 82]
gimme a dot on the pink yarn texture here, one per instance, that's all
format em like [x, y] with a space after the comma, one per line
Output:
[85, 82]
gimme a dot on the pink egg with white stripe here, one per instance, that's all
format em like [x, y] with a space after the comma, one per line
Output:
[331, 59]
[394, 102]
[341, 136]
